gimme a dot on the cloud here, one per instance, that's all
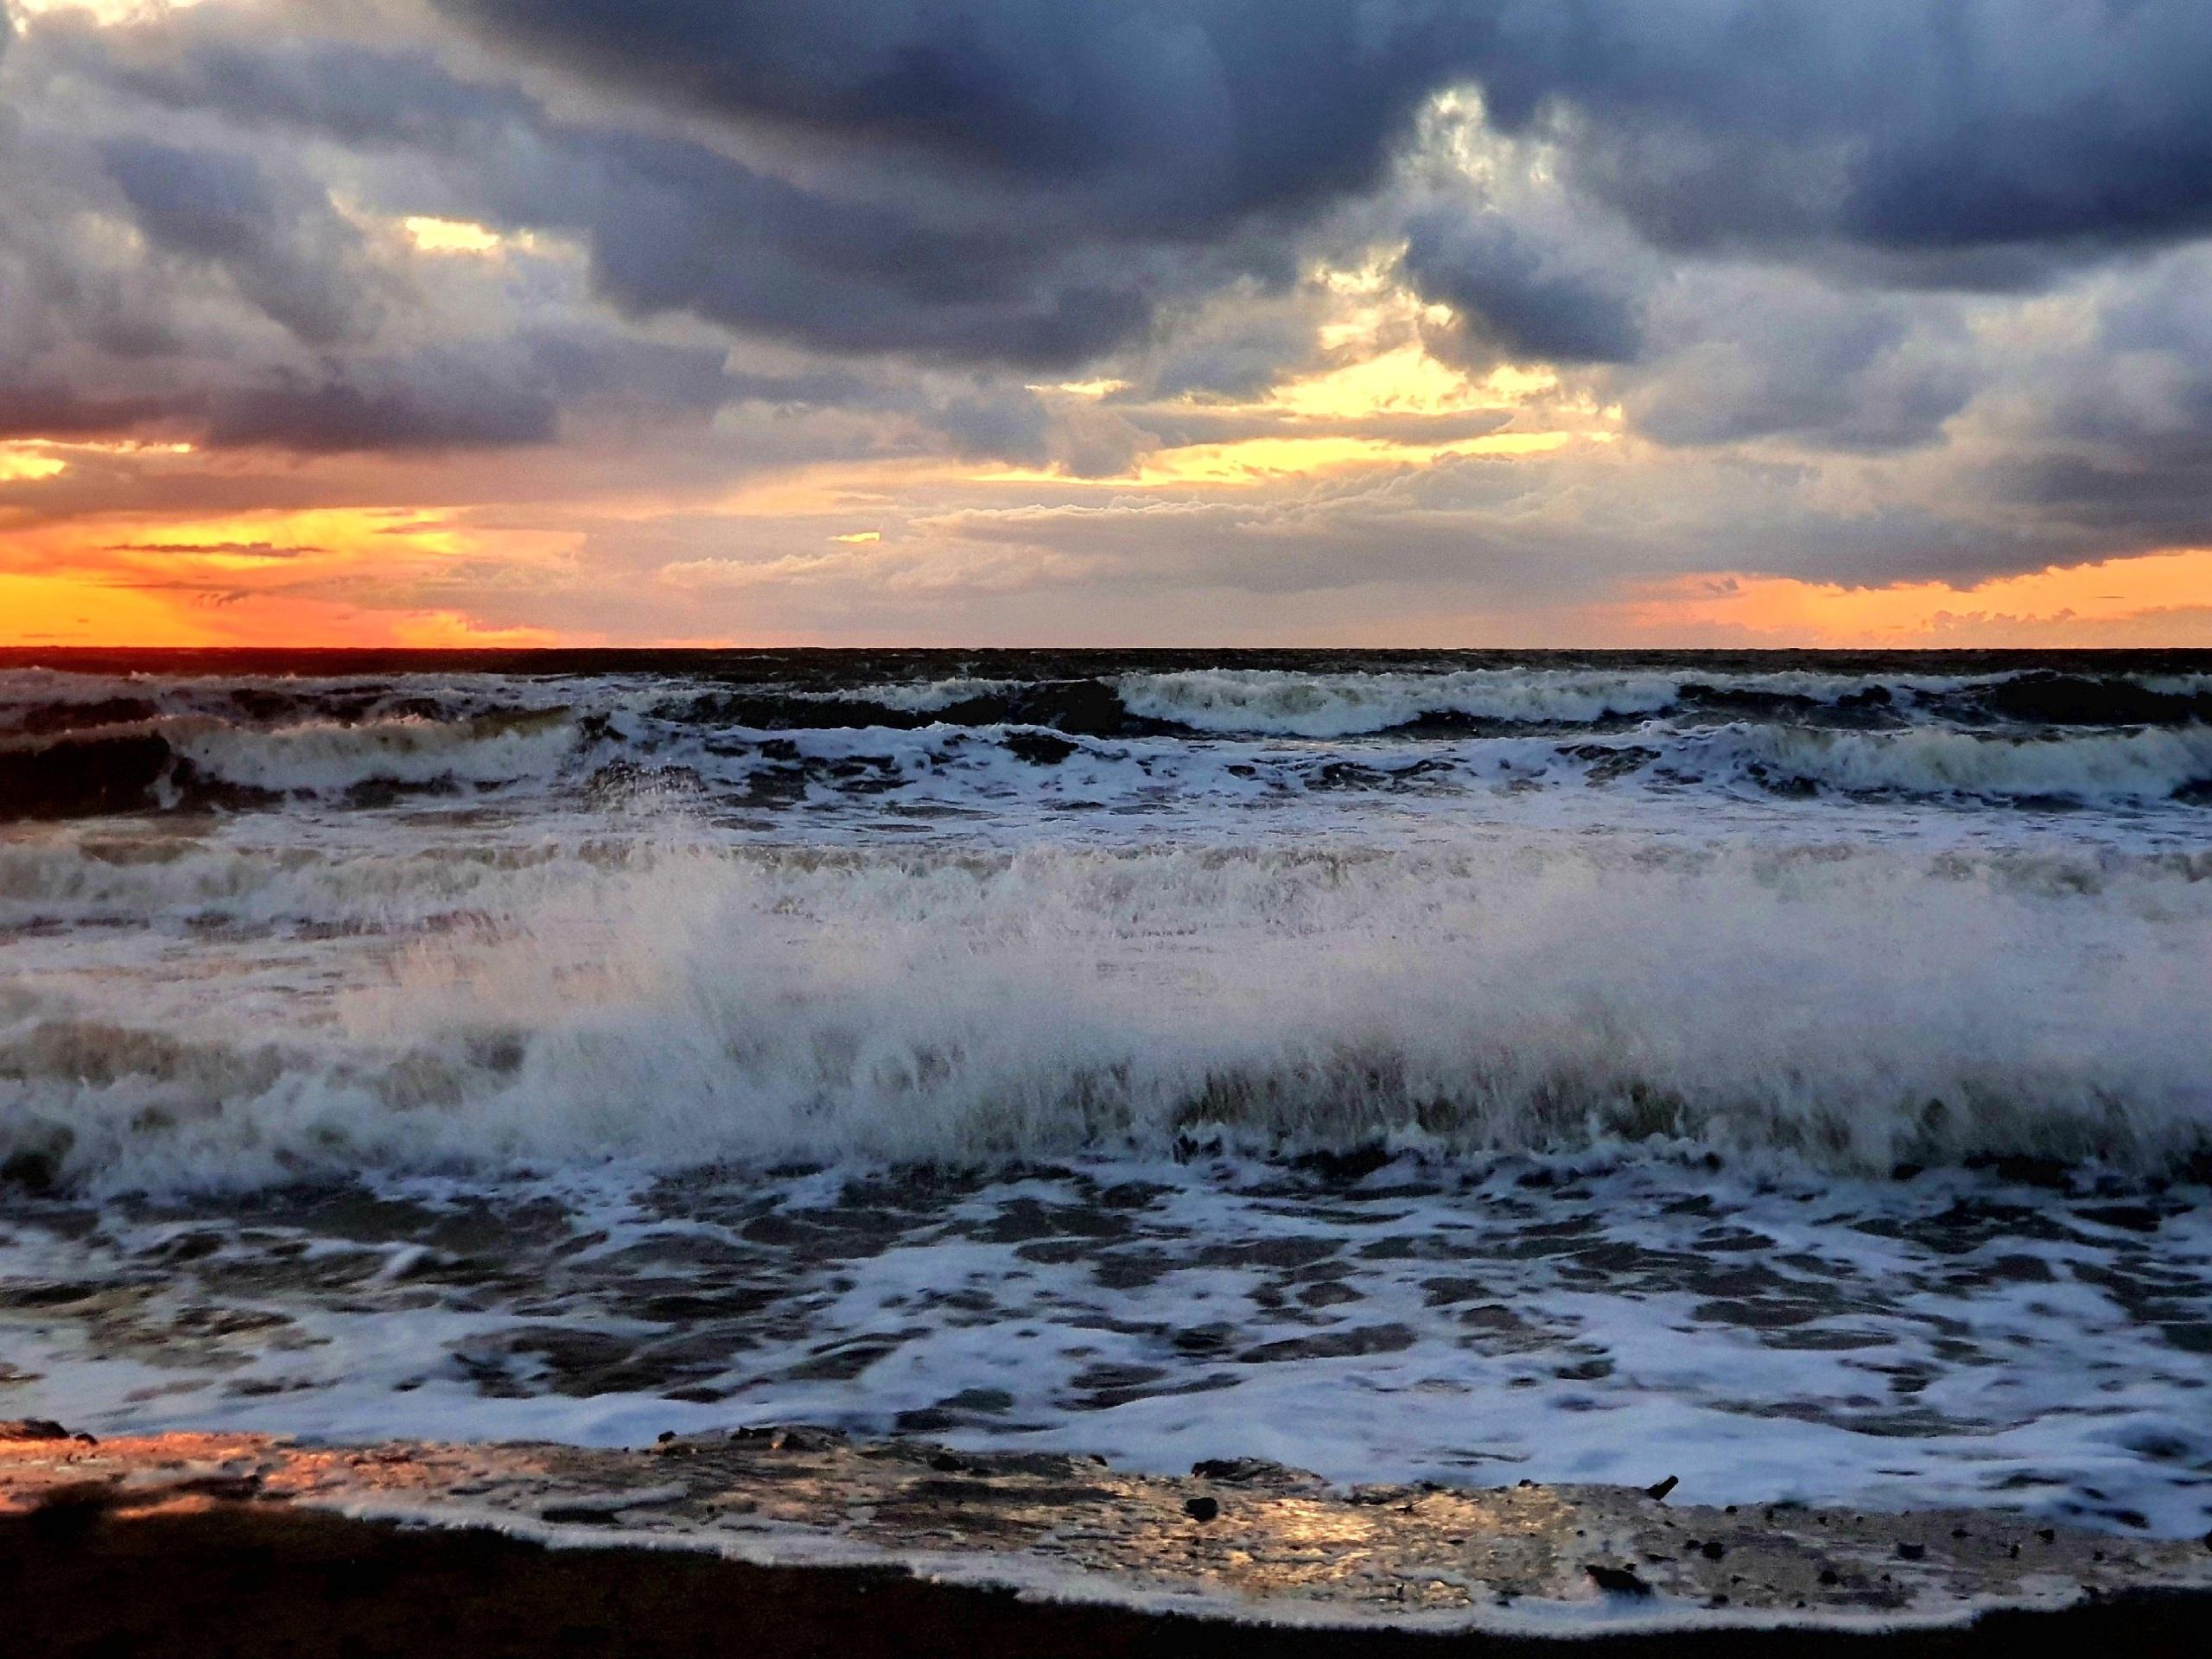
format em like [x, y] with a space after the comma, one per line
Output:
[1162, 119]
[670, 224]
[440, 401]
[1926, 132]
[1034, 183]
[1840, 293]
[227, 549]
[1744, 354]
[2111, 434]
[1521, 299]
[1904, 128]
[675, 228]
[279, 239]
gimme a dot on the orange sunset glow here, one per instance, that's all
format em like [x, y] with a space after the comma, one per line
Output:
[2151, 600]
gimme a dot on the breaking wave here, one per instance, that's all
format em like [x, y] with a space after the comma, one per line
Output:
[2139, 765]
[324, 757]
[1008, 905]
[1233, 700]
[683, 1006]
[197, 761]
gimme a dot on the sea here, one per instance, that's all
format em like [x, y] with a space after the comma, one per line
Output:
[1790, 1073]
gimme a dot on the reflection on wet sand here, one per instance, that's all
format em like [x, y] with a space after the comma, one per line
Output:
[1249, 1540]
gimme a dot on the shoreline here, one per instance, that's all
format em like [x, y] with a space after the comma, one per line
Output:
[806, 1542]
[235, 1580]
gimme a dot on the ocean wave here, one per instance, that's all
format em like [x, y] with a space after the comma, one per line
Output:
[198, 760]
[2057, 699]
[927, 696]
[43, 701]
[1330, 695]
[694, 1006]
[999, 767]
[323, 757]
[1300, 704]
[196, 763]
[1322, 705]
[1151, 741]
[1240, 700]
[1086, 707]
[2132, 766]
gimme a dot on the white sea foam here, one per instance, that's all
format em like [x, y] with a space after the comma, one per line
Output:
[928, 695]
[158, 879]
[1342, 705]
[698, 1005]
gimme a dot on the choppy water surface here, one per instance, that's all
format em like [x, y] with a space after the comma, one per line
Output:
[1789, 1069]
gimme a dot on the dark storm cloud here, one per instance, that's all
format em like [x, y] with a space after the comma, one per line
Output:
[445, 402]
[278, 238]
[674, 224]
[1892, 144]
[1903, 125]
[1522, 300]
[1167, 118]
[1899, 124]
[102, 335]
[576, 364]
[2116, 438]
[472, 395]
[348, 90]
[372, 406]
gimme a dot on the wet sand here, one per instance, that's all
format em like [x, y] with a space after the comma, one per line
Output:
[237, 1580]
[795, 1540]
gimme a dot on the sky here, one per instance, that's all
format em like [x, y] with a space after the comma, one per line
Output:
[1416, 323]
